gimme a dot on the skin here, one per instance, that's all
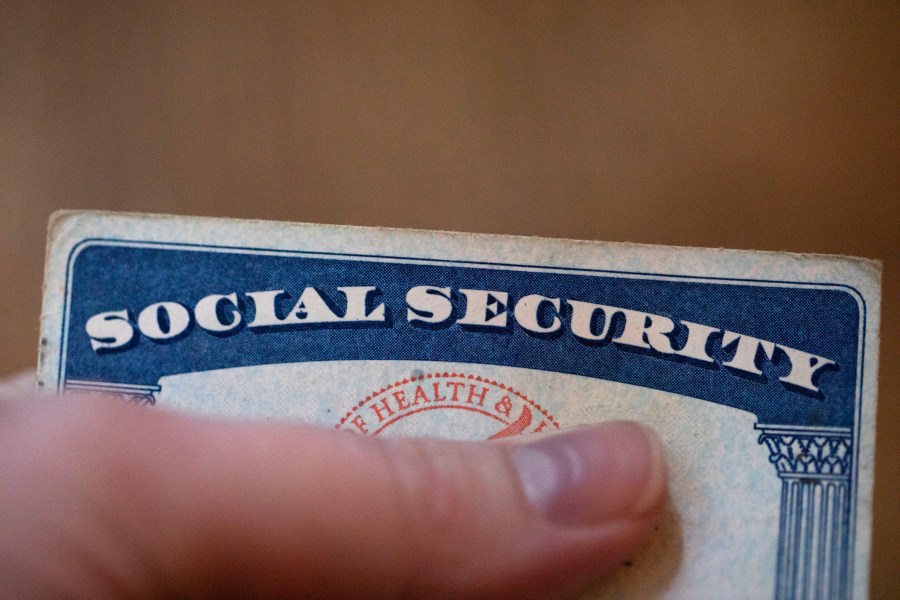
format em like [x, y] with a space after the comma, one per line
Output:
[100, 499]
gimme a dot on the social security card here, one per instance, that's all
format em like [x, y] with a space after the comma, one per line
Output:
[758, 369]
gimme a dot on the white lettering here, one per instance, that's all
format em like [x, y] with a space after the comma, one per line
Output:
[803, 368]
[747, 351]
[109, 331]
[485, 308]
[528, 308]
[428, 304]
[356, 304]
[698, 337]
[206, 312]
[164, 320]
[583, 316]
[645, 330]
[265, 308]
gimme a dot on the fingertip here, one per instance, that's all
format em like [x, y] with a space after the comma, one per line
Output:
[593, 475]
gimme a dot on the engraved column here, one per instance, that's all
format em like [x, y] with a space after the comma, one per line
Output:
[814, 464]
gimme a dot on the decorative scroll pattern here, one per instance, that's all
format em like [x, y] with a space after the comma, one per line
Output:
[139, 399]
[814, 465]
[142, 395]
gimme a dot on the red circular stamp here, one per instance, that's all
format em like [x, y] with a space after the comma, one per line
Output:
[456, 405]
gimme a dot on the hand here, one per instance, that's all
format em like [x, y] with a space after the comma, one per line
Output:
[99, 499]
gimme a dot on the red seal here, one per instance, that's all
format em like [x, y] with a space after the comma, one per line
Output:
[445, 404]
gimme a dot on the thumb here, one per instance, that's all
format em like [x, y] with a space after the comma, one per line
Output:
[193, 507]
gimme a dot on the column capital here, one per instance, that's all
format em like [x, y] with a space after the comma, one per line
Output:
[818, 452]
[142, 395]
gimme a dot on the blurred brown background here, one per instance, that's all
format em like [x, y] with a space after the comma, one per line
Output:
[770, 126]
